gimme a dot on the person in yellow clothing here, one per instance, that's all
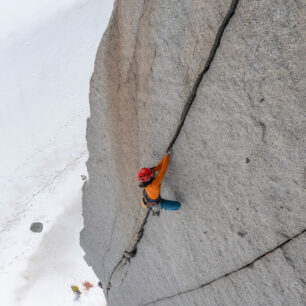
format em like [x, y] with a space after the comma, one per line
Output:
[151, 182]
[76, 290]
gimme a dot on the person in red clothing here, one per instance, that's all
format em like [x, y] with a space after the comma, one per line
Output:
[151, 182]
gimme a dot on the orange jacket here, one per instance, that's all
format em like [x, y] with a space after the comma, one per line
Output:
[153, 190]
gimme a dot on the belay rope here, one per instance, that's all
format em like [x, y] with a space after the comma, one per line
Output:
[132, 249]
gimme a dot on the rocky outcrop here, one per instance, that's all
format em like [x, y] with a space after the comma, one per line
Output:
[36, 227]
[236, 70]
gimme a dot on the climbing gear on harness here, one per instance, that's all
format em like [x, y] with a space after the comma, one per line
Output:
[145, 174]
[149, 202]
[153, 205]
[144, 201]
[169, 151]
[143, 204]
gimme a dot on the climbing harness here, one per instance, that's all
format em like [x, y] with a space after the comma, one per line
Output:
[149, 201]
[153, 205]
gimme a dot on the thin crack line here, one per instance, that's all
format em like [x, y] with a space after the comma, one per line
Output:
[130, 252]
[229, 273]
[210, 59]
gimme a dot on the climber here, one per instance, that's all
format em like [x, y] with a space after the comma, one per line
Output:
[152, 184]
[76, 290]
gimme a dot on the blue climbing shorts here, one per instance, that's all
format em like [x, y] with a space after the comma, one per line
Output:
[170, 205]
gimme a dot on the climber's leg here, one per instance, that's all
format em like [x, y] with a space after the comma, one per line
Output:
[170, 205]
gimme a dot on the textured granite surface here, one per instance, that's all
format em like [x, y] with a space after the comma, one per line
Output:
[238, 166]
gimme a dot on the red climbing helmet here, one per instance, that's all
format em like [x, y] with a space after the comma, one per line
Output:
[144, 174]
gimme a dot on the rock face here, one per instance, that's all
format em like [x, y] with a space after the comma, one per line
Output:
[36, 227]
[238, 166]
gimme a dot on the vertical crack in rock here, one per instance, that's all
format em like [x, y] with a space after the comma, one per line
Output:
[130, 252]
[110, 240]
[304, 185]
[210, 58]
[264, 130]
[250, 264]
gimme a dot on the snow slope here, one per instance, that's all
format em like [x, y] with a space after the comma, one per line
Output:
[38, 269]
[47, 51]
[44, 81]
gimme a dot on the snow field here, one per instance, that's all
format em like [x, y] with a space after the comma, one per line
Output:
[39, 268]
[47, 51]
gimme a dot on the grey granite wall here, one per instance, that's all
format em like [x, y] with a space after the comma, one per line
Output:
[238, 166]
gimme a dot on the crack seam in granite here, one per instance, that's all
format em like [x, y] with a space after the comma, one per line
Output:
[230, 273]
[212, 53]
[130, 252]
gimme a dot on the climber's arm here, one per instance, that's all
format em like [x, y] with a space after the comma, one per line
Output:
[163, 169]
[158, 167]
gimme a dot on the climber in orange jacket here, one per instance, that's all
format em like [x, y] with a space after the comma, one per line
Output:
[152, 185]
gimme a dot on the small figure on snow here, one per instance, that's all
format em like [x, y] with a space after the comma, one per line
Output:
[152, 185]
[100, 284]
[76, 290]
[87, 285]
